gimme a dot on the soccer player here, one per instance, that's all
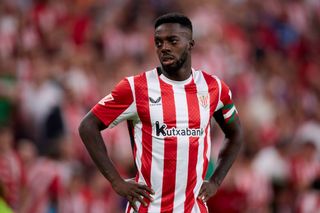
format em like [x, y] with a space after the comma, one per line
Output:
[168, 110]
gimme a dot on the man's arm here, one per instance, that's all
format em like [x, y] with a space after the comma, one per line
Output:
[90, 134]
[227, 154]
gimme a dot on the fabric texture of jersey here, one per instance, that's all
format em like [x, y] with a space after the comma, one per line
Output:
[171, 129]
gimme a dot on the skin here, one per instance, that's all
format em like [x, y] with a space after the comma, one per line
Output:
[173, 44]
[90, 132]
[227, 155]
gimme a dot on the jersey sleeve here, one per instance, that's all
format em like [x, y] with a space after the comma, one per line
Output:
[226, 104]
[116, 106]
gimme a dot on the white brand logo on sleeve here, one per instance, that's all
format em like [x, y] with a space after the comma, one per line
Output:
[106, 99]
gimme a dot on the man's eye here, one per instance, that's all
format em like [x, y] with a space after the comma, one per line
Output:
[158, 43]
[174, 41]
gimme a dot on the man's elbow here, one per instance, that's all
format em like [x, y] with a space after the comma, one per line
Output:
[240, 137]
[236, 136]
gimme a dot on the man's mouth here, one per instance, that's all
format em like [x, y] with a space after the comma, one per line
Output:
[167, 59]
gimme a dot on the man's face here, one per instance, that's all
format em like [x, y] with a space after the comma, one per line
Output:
[173, 44]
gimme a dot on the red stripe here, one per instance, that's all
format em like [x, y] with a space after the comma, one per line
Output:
[134, 157]
[205, 150]
[143, 209]
[202, 207]
[170, 149]
[224, 97]
[129, 208]
[213, 88]
[194, 122]
[142, 102]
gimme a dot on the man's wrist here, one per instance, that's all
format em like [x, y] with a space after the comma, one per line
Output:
[215, 181]
[116, 181]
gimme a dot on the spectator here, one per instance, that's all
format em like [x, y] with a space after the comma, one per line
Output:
[11, 171]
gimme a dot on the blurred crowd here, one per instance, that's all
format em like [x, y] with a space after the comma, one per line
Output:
[60, 57]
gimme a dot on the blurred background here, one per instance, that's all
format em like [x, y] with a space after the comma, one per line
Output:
[60, 57]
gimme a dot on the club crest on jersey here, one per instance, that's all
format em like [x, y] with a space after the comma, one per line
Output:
[106, 99]
[154, 102]
[204, 100]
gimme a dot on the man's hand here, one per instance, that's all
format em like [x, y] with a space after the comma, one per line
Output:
[208, 189]
[133, 191]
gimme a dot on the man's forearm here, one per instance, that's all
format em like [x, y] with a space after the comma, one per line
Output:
[94, 143]
[226, 158]
[89, 131]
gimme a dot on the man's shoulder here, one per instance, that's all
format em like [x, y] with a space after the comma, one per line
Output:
[143, 74]
[207, 75]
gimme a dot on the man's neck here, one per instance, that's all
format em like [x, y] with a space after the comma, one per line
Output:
[177, 75]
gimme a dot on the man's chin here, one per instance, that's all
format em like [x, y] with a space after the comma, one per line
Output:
[169, 67]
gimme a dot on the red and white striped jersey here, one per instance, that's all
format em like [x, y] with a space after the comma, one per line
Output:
[170, 123]
[44, 181]
[12, 177]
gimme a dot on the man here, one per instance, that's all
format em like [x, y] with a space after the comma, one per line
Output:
[168, 110]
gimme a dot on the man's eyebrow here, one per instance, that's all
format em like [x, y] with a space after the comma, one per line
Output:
[177, 35]
[166, 37]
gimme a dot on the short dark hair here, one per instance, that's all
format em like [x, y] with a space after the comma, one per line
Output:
[173, 18]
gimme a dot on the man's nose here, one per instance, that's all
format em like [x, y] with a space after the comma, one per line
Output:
[165, 47]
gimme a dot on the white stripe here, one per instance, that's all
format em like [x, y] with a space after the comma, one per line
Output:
[230, 112]
[156, 114]
[138, 143]
[128, 113]
[202, 87]
[131, 209]
[131, 83]
[195, 208]
[137, 133]
[209, 144]
[219, 106]
[230, 94]
[182, 119]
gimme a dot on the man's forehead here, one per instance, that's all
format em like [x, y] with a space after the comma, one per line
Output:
[172, 28]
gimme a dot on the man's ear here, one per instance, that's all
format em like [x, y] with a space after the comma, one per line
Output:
[191, 44]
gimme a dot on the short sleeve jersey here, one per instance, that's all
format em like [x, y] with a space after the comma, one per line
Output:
[170, 125]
